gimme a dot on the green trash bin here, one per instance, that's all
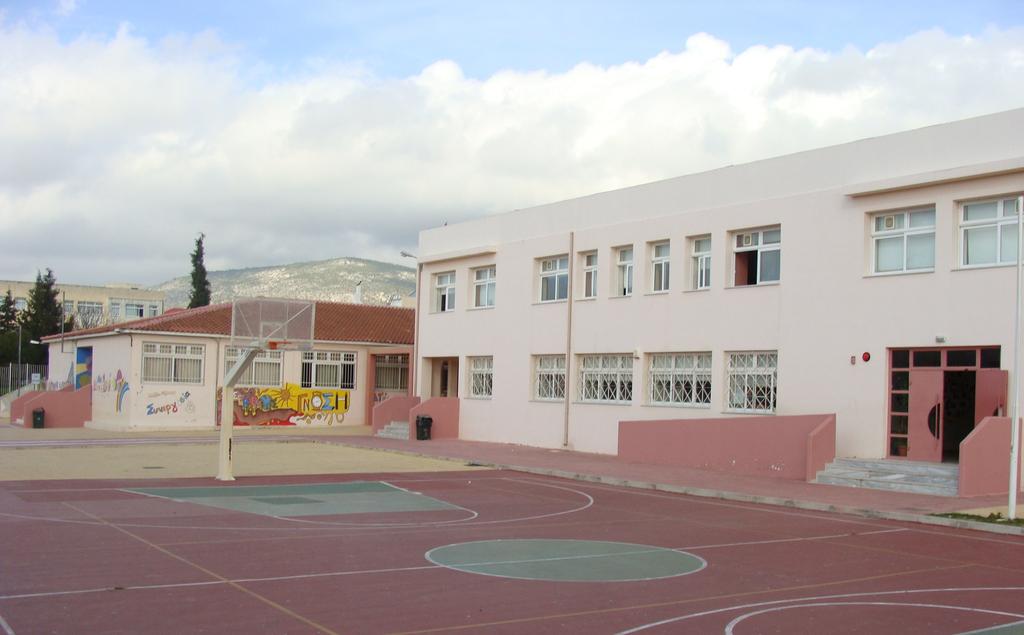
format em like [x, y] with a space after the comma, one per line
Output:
[38, 417]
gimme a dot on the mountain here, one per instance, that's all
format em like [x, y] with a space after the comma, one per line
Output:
[333, 280]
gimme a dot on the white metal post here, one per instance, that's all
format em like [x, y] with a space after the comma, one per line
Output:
[225, 467]
[1011, 507]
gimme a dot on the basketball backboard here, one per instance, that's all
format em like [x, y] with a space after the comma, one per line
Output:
[271, 323]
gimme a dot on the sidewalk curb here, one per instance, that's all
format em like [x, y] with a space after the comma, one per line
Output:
[790, 503]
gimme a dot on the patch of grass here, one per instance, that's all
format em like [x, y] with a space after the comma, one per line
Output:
[995, 518]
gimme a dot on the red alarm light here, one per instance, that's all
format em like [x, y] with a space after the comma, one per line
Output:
[866, 357]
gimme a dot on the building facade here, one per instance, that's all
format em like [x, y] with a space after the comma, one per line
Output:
[165, 372]
[92, 306]
[872, 280]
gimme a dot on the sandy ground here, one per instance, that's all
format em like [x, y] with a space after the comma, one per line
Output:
[171, 460]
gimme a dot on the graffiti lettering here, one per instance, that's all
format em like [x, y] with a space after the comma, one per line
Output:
[168, 408]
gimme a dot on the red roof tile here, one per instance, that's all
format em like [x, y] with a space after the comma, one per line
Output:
[335, 321]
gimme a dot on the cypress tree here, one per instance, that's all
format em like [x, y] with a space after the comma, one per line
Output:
[8, 314]
[41, 317]
[200, 295]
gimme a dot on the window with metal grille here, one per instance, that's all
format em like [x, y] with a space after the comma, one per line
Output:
[680, 379]
[904, 241]
[172, 363]
[481, 377]
[606, 378]
[701, 262]
[660, 267]
[392, 372]
[328, 369]
[264, 372]
[752, 381]
[549, 377]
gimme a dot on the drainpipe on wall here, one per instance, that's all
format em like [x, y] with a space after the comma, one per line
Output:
[568, 341]
[1011, 507]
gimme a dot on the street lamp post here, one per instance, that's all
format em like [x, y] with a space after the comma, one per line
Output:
[416, 325]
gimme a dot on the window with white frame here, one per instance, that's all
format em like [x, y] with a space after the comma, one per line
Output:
[752, 381]
[554, 278]
[134, 310]
[20, 304]
[660, 267]
[172, 363]
[444, 292]
[701, 262]
[758, 256]
[328, 369]
[988, 232]
[153, 310]
[90, 309]
[904, 240]
[481, 377]
[606, 378]
[392, 372]
[263, 372]
[624, 271]
[549, 377]
[483, 287]
[590, 275]
[680, 379]
[68, 308]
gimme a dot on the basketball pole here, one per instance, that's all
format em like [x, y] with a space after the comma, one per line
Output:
[225, 468]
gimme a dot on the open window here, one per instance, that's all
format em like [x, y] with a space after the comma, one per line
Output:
[758, 257]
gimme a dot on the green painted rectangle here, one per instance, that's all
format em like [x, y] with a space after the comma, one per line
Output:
[332, 499]
[185, 493]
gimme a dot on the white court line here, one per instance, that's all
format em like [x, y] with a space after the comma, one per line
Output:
[5, 626]
[740, 607]
[797, 539]
[371, 571]
[732, 625]
[760, 507]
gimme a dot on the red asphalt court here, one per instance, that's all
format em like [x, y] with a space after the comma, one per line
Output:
[89, 557]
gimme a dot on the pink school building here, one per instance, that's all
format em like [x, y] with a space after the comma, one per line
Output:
[854, 301]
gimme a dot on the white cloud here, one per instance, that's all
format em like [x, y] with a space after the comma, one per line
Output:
[66, 7]
[115, 152]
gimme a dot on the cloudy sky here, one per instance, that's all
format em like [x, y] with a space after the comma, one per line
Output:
[342, 128]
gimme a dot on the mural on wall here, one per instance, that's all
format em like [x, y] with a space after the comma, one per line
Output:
[289, 406]
[116, 384]
[83, 367]
[169, 402]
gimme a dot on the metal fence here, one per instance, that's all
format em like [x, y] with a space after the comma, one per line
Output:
[15, 376]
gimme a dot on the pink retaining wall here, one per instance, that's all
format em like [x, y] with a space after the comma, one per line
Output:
[394, 409]
[445, 412]
[985, 458]
[792, 447]
[64, 408]
[18, 409]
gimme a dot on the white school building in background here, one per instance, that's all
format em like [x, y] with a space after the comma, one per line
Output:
[872, 280]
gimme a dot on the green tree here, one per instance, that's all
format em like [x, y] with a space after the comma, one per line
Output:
[8, 314]
[41, 317]
[200, 295]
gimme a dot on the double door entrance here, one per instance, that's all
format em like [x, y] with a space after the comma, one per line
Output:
[938, 395]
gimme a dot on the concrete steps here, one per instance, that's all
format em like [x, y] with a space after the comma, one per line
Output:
[937, 479]
[395, 430]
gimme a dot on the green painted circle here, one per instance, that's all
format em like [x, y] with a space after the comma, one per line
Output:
[566, 560]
